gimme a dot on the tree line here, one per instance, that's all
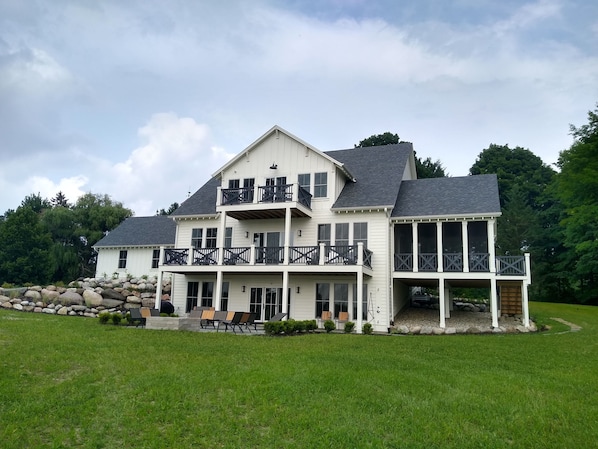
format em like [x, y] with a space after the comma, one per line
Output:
[552, 214]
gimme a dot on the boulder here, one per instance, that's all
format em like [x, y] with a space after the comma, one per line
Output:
[110, 293]
[49, 295]
[92, 299]
[110, 303]
[70, 297]
[133, 299]
[17, 307]
[4, 299]
[450, 331]
[34, 295]
[63, 311]
[6, 305]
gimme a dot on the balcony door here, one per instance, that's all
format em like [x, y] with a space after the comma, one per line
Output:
[275, 189]
[271, 252]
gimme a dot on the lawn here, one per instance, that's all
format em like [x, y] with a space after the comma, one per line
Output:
[71, 382]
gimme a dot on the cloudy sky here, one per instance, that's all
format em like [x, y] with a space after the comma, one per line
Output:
[144, 99]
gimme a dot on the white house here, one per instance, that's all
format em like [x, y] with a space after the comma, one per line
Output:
[284, 227]
[133, 248]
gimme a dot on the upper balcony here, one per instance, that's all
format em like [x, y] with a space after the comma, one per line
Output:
[454, 262]
[272, 201]
[321, 255]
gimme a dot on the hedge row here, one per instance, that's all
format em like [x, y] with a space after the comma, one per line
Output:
[289, 327]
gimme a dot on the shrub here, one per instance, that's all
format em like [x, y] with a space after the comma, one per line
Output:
[300, 326]
[367, 328]
[329, 325]
[349, 326]
[273, 327]
[289, 327]
[311, 325]
[104, 317]
[116, 318]
[7, 285]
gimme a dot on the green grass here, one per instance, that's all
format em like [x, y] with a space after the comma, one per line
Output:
[69, 382]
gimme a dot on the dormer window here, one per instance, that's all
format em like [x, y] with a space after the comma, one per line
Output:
[320, 185]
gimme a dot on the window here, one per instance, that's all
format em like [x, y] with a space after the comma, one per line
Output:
[196, 235]
[322, 299]
[224, 299]
[192, 290]
[304, 180]
[321, 185]
[155, 258]
[341, 237]
[360, 234]
[233, 183]
[364, 304]
[324, 234]
[122, 259]
[207, 293]
[228, 238]
[248, 184]
[211, 237]
[341, 298]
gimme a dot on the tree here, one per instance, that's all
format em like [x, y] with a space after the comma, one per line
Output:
[24, 249]
[95, 215]
[577, 188]
[36, 203]
[59, 200]
[424, 169]
[170, 210]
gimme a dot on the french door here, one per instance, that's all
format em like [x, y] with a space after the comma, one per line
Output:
[272, 251]
[265, 302]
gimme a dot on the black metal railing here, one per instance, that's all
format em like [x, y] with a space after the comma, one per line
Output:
[428, 262]
[237, 256]
[176, 256]
[304, 197]
[271, 255]
[404, 262]
[276, 194]
[479, 262]
[452, 262]
[367, 257]
[241, 195]
[510, 265]
[205, 256]
[309, 255]
[346, 255]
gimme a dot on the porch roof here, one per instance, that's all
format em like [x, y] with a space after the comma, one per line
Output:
[448, 196]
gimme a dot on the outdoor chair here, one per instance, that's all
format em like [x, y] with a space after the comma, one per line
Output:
[207, 317]
[154, 312]
[247, 320]
[326, 315]
[343, 317]
[278, 317]
[136, 317]
[219, 315]
[234, 322]
[145, 312]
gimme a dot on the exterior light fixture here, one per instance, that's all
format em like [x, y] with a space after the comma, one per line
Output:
[273, 166]
[243, 289]
[246, 234]
[299, 233]
[298, 289]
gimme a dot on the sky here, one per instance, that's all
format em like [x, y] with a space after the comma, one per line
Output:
[144, 100]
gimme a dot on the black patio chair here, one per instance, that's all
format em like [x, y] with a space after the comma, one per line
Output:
[136, 317]
[234, 322]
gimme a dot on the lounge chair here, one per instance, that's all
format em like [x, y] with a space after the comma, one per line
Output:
[278, 317]
[248, 320]
[233, 322]
[136, 317]
[207, 317]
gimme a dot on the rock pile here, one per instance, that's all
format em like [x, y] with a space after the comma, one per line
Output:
[85, 297]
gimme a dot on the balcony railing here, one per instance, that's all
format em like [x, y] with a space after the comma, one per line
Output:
[265, 194]
[271, 255]
[453, 262]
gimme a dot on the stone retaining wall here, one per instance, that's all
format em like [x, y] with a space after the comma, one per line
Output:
[85, 297]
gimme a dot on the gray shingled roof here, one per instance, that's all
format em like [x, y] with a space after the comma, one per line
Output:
[202, 202]
[378, 172]
[448, 196]
[141, 231]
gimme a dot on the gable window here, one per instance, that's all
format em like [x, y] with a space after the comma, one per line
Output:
[211, 237]
[228, 238]
[341, 234]
[207, 293]
[122, 259]
[233, 183]
[304, 181]
[321, 185]
[360, 234]
[155, 258]
[196, 235]
[324, 234]
[192, 291]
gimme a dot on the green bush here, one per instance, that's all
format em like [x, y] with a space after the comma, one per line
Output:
[311, 325]
[329, 325]
[116, 318]
[367, 328]
[289, 327]
[349, 326]
[273, 327]
[104, 317]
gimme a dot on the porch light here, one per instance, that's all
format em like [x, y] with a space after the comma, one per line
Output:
[273, 166]
[246, 234]
[298, 289]
[299, 233]
[243, 289]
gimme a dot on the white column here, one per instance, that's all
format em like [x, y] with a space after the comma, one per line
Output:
[491, 250]
[415, 244]
[220, 238]
[216, 301]
[359, 319]
[525, 303]
[447, 301]
[494, 302]
[287, 235]
[465, 241]
[441, 302]
[159, 288]
[285, 291]
[439, 246]
[360, 253]
[190, 255]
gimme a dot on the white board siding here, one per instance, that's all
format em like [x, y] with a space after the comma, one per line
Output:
[139, 262]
